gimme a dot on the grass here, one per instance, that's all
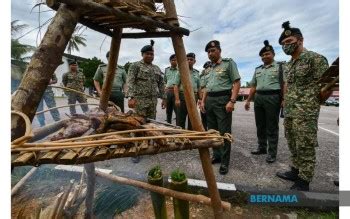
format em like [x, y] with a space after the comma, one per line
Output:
[178, 176]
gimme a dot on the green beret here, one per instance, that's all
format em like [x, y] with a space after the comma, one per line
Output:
[266, 48]
[289, 31]
[148, 48]
[191, 55]
[212, 44]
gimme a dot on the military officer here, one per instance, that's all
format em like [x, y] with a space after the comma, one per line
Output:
[74, 79]
[179, 93]
[221, 90]
[169, 80]
[145, 84]
[119, 82]
[267, 87]
[49, 99]
[302, 106]
[202, 78]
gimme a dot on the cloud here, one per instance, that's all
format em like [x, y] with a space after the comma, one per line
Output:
[241, 27]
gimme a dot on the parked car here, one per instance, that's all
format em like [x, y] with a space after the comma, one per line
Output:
[332, 102]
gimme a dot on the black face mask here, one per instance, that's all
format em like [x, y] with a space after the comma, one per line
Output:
[290, 48]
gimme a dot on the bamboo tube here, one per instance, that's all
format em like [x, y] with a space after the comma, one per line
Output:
[158, 200]
[168, 192]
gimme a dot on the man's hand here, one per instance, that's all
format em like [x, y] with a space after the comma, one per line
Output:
[163, 104]
[202, 106]
[282, 104]
[324, 95]
[132, 103]
[177, 102]
[247, 105]
[230, 107]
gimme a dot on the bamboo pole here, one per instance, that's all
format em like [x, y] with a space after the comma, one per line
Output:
[112, 64]
[20, 183]
[168, 192]
[194, 117]
[90, 190]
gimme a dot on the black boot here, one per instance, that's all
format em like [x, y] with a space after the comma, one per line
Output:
[300, 185]
[291, 175]
[259, 151]
[270, 158]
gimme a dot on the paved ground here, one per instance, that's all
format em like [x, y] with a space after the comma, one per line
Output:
[245, 169]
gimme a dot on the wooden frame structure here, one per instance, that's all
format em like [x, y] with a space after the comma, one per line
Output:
[108, 17]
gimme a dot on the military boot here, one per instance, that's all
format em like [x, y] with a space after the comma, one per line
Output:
[291, 175]
[300, 185]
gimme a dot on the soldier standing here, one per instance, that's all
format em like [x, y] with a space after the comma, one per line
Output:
[49, 99]
[202, 77]
[302, 106]
[267, 87]
[74, 79]
[179, 93]
[119, 82]
[169, 80]
[145, 84]
[221, 90]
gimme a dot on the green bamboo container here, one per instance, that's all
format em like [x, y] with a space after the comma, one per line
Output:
[181, 207]
[158, 200]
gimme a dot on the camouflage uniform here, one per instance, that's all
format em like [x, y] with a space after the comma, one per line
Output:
[182, 109]
[75, 81]
[218, 85]
[49, 99]
[169, 80]
[145, 84]
[302, 107]
[117, 95]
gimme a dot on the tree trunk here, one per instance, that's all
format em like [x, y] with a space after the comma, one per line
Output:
[43, 64]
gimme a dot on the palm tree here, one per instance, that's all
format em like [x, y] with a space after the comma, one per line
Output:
[76, 40]
[18, 50]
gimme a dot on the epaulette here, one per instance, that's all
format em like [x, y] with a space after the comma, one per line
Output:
[281, 62]
[259, 66]
[167, 67]
[120, 66]
[102, 65]
[227, 59]
[195, 70]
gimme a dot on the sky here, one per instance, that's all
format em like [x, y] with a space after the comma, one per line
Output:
[241, 26]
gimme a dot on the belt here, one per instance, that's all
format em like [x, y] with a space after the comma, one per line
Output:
[181, 92]
[171, 89]
[268, 92]
[220, 93]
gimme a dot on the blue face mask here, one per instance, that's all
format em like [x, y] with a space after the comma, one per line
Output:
[290, 48]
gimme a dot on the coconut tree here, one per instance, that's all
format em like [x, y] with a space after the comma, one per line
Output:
[18, 50]
[76, 40]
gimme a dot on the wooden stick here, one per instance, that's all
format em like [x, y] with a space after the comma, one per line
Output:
[90, 182]
[57, 107]
[28, 134]
[111, 67]
[20, 183]
[193, 115]
[161, 190]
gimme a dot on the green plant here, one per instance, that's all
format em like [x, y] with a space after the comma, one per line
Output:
[155, 172]
[178, 176]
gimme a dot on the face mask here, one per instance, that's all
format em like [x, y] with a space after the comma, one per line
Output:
[290, 48]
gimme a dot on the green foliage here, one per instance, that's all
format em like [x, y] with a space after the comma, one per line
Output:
[18, 50]
[89, 68]
[178, 176]
[155, 172]
[76, 40]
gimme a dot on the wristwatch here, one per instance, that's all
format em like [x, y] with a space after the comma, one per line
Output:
[232, 100]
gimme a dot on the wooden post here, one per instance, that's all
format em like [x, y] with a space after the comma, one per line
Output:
[193, 114]
[45, 60]
[90, 189]
[111, 67]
